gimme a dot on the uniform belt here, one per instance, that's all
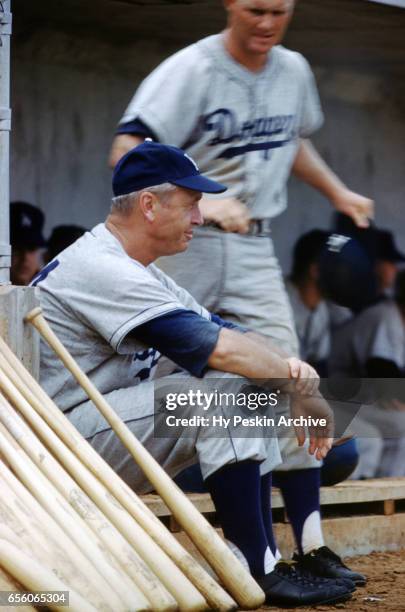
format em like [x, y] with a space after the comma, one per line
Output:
[257, 227]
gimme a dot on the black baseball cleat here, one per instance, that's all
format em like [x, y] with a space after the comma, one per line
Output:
[346, 582]
[324, 562]
[288, 587]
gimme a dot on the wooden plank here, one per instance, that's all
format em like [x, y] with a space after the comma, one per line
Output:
[202, 501]
[358, 491]
[389, 507]
[349, 492]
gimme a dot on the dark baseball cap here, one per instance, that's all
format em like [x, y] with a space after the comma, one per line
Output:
[386, 247]
[152, 163]
[346, 273]
[307, 251]
[26, 225]
[63, 236]
[379, 243]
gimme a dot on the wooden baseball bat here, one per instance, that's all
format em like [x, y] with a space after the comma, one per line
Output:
[109, 580]
[77, 571]
[19, 526]
[238, 581]
[53, 416]
[131, 564]
[148, 551]
[146, 583]
[36, 577]
[26, 530]
[9, 583]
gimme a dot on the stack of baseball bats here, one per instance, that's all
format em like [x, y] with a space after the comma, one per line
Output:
[69, 523]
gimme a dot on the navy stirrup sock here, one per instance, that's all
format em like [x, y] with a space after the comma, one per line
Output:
[236, 492]
[266, 483]
[300, 490]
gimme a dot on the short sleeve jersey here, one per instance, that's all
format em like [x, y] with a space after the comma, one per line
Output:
[93, 296]
[241, 127]
[377, 332]
[313, 327]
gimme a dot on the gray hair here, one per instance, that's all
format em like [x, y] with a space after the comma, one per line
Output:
[124, 204]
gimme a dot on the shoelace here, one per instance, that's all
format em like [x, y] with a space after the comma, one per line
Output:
[310, 576]
[293, 572]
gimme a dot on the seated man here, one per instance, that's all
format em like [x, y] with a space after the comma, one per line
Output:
[372, 346]
[27, 242]
[117, 313]
[310, 310]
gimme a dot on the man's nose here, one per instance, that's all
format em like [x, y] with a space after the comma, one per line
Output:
[196, 217]
[266, 22]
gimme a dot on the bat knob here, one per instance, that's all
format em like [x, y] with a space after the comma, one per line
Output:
[33, 314]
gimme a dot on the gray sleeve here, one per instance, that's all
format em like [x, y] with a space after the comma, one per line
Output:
[387, 341]
[182, 294]
[170, 99]
[311, 113]
[116, 297]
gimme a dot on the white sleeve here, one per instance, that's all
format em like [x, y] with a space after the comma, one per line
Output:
[311, 113]
[170, 100]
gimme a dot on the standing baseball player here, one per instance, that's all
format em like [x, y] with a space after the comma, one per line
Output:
[244, 108]
[117, 313]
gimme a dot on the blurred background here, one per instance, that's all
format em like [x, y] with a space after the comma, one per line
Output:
[75, 65]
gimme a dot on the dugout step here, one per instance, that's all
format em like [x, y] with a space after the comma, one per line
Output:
[358, 516]
[379, 495]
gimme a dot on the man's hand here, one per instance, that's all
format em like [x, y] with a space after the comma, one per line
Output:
[320, 438]
[229, 213]
[356, 206]
[393, 404]
[305, 377]
[306, 401]
[311, 168]
[123, 143]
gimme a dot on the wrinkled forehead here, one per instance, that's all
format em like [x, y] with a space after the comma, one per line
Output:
[268, 4]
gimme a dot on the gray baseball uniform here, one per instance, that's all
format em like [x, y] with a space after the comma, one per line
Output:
[377, 332]
[313, 327]
[243, 129]
[96, 297]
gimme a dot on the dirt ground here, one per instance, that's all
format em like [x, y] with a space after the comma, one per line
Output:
[385, 589]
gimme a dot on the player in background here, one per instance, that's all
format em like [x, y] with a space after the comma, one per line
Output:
[244, 107]
[27, 241]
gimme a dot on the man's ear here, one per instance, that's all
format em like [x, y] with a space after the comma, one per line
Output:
[227, 3]
[147, 205]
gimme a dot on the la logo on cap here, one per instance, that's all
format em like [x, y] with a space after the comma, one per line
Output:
[192, 161]
[26, 221]
[336, 242]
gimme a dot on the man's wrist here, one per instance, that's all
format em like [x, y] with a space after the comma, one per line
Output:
[338, 195]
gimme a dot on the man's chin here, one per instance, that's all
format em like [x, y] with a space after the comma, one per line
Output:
[180, 248]
[263, 47]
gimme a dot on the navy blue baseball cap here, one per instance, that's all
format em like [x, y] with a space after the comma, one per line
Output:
[346, 273]
[26, 226]
[152, 163]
